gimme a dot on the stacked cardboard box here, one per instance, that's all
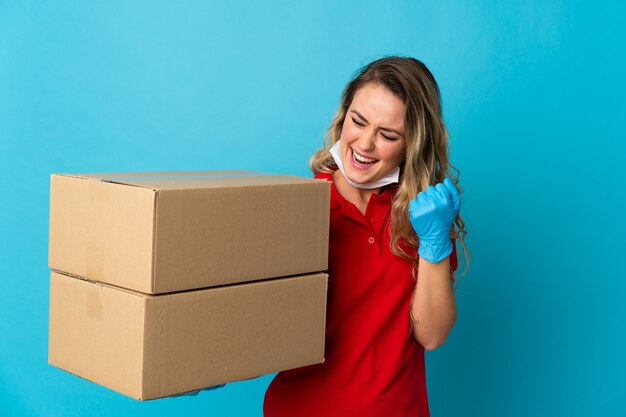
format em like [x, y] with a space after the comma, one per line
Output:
[164, 283]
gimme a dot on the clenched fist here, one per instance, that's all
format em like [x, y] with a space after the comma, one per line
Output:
[432, 213]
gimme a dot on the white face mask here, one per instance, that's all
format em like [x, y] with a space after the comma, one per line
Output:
[390, 178]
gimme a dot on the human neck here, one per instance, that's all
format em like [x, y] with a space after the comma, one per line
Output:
[357, 196]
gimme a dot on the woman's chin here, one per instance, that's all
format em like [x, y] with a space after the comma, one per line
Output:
[359, 179]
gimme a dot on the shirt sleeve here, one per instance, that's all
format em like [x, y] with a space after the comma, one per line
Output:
[453, 257]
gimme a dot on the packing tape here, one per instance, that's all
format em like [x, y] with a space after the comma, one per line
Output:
[94, 247]
[94, 260]
[94, 302]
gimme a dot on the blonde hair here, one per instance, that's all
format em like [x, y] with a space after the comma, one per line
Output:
[427, 156]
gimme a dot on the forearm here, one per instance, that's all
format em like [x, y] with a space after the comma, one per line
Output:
[433, 310]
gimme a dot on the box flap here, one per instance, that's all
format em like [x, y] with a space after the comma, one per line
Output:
[194, 179]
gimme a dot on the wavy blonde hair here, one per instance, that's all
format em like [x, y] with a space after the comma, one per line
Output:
[427, 156]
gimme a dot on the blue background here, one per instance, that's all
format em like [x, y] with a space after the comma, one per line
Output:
[533, 96]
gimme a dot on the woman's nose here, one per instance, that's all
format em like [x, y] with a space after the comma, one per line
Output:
[367, 139]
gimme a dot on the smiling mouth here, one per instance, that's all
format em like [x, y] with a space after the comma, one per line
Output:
[361, 160]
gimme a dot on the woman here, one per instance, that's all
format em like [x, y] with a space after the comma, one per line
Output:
[391, 252]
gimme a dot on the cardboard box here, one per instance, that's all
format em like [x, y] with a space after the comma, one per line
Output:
[166, 232]
[151, 346]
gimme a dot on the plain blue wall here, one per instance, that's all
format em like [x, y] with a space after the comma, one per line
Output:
[534, 100]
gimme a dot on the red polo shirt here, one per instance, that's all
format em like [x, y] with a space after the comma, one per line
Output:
[373, 367]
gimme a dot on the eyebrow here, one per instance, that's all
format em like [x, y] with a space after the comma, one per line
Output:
[381, 128]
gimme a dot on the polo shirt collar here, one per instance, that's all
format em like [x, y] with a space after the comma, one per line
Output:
[337, 200]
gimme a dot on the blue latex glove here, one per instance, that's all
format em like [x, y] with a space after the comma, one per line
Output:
[432, 213]
[194, 393]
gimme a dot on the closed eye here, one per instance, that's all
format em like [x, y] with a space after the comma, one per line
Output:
[389, 137]
[357, 122]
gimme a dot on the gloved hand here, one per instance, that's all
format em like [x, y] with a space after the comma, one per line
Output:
[432, 213]
[194, 393]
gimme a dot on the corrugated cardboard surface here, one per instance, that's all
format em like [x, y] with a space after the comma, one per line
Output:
[102, 231]
[167, 232]
[97, 332]
[147, 346]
